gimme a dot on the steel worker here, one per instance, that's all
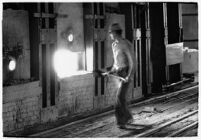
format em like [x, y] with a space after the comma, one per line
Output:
[123, 67]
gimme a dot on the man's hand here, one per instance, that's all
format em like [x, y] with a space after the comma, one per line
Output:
[106, 73]
[96, 74]
[127, 79]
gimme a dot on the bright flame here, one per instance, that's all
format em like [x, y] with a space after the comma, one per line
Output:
[65, 63]
[12, 65]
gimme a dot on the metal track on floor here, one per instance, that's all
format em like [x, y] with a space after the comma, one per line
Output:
[154, 130]
[168, 95]
[188, 127]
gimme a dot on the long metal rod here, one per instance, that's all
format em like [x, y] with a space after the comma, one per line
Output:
[152, 131]
[179, 82]
[115, 76]
[188, 127]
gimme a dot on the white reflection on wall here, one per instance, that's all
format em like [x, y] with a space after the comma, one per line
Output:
[89, 56]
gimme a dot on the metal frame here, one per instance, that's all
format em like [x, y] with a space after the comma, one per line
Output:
[137, 51]
[48, 43]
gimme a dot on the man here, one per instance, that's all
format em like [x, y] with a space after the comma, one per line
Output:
[123, 67]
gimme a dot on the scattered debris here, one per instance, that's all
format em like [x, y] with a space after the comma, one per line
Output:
[151, 109]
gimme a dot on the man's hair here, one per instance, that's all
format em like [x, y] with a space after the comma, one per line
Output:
[118, 32]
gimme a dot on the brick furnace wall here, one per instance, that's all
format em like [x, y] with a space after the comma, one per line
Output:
[22, 103]
[21, 106]
[77, 95]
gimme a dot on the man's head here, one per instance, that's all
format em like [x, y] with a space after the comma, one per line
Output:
[115, 30]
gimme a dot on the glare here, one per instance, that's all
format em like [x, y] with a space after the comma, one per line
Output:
[12, 65]
[89, 56]
[65, 63]
[70, 37]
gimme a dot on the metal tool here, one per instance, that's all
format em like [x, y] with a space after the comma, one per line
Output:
[121, 78]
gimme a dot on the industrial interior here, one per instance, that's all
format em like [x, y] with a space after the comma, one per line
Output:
[52, 53]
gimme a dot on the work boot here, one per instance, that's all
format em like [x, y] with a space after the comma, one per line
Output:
[131, 121]
[121, 126]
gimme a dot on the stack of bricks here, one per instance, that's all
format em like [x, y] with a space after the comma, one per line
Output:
[76, 94]
[22, 103]
[111, 87]
[21, 106]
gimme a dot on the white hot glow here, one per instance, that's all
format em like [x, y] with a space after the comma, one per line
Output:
[12, 65]
[65, 63]
[89, 55]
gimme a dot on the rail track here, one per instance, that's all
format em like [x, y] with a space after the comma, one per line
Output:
[187, 128]
[159, 123]
[154, 131]
[103, 125]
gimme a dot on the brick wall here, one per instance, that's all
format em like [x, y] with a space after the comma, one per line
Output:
[22, 103]
[110, 91]
[21, 106]
[77, 95]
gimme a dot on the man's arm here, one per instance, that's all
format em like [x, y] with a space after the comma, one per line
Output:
[130, 61]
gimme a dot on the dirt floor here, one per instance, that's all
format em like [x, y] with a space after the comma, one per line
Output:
[146, 116]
